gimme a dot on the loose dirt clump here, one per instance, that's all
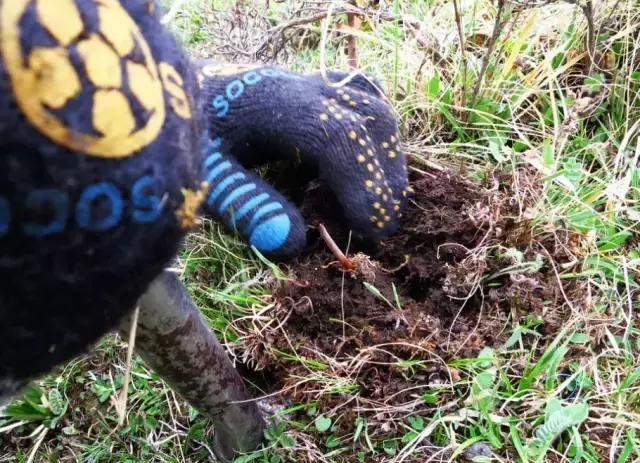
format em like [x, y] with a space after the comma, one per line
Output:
[442, 288]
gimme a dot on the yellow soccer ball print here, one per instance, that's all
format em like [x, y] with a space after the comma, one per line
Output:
[89, 82]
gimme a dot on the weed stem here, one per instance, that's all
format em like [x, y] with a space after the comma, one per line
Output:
[347, 264]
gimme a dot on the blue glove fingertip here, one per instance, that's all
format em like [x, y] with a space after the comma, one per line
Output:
[245, 204]
[272, 234]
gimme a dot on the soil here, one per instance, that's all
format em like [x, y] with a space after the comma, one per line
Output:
[439, 300]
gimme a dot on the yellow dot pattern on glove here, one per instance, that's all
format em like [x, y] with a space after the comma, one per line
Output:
[370, 156]
[383, 191]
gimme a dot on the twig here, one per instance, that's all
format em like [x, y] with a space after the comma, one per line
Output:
[413, 24]
[352, 53]
[458, 18]
[587, 10]
[121, 403]
[346, 263]
[497, 27]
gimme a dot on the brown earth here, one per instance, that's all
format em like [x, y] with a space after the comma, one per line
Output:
[452, 294]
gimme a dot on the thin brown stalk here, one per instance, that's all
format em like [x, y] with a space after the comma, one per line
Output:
[352, 53]
[458, 19]
[497, 27]
[346, 263]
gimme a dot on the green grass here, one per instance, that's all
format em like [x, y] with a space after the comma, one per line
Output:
[570, 395]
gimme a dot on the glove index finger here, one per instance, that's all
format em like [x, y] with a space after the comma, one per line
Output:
[364, 163]
[249, 206]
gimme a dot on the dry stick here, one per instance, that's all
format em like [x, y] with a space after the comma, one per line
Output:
[279, 30]
[352, 58]
[413, 24]
[323, 54]
[347, 264]
[587, 10]
[121, 403]
[458, 17]
[612, 11]
[497, 27]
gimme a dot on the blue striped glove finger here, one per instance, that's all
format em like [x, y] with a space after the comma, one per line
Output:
[249, 206]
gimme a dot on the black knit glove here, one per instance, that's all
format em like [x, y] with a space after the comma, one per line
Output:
[348, 133]
[101, 142]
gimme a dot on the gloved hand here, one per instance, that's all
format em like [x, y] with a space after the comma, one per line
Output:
[103, 159]
[349, 134]
[101, 137]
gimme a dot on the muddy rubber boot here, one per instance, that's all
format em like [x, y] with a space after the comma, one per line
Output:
[174, 340]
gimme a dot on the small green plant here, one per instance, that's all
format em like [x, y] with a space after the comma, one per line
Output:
[557, 419]
[416, 425]
[38, 406]
[276, 435]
